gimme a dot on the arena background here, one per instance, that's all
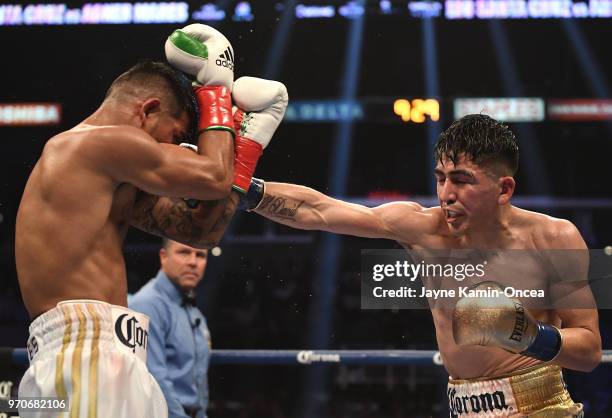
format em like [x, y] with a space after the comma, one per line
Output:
[353, 69]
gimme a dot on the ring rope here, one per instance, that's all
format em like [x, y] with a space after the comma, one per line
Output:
[19, 356]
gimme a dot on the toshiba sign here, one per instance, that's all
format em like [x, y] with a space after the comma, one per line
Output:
[30, 114]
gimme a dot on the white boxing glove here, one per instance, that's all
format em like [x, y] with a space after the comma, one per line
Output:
[203, 53]
[259, 108]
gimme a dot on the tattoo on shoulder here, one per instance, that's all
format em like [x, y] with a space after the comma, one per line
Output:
[280, 207]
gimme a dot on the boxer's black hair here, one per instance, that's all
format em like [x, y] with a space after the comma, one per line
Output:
[480, 138]
[146, 72]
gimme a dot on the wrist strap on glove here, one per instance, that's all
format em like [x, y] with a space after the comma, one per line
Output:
[252, 198]
[547, 343]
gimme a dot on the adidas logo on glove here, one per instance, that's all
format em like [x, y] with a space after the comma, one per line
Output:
[226, 59]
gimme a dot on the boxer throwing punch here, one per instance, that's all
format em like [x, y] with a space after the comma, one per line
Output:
[477, 158]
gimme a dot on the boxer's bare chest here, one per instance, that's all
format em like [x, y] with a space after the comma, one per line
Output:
[516, 263]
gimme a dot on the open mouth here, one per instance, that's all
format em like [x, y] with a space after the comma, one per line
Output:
[452, 215]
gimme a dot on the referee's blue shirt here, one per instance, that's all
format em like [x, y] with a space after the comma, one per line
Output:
[178, 350]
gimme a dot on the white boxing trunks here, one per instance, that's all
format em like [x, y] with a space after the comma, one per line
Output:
[534, 392]
[93, 354]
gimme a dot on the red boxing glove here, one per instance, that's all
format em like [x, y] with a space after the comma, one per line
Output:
[215, 104]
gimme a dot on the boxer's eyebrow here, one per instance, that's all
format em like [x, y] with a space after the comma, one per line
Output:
[461, 172]
[456, 172]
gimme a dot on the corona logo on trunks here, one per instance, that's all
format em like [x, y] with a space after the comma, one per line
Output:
[6, 387]
[307, 357]
[485, 402]
[32, 347]
[130, 333]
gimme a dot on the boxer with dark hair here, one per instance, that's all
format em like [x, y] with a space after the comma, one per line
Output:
[95, 180]
[485, 140]
[476, 159]
[156, 79]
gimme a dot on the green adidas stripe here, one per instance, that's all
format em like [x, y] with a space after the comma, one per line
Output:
[188, 44]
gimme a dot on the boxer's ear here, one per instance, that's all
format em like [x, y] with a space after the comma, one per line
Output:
[149, 107]
[507, 186]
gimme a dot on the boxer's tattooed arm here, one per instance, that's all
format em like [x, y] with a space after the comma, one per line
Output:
[280, 207]
[229, 206]
[172, 218]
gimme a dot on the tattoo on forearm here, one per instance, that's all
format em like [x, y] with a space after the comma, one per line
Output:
[280, 207]
[144, 214]
[174, 219]
[229, 209]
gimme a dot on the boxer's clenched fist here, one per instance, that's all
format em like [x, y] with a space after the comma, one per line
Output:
[500, 321]
[203, 53]
[259, 108]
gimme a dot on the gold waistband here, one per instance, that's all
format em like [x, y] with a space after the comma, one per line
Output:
[540, 388]
[538, 391]
[520, 372]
